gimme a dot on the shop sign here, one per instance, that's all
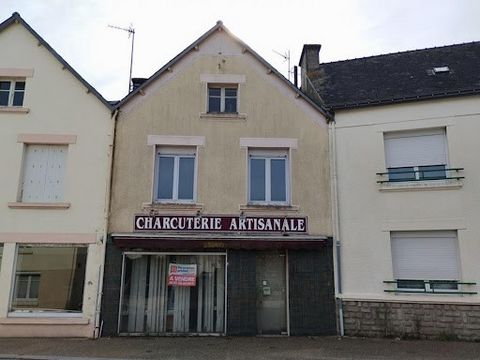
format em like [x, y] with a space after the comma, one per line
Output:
[182, 274]
[220, 223]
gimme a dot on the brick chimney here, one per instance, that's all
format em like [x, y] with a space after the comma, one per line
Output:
[309, 60]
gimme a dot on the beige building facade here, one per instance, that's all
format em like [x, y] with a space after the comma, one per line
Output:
[221, 205]
[56, 137]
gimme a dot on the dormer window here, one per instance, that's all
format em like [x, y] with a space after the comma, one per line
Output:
[222, 98]
[12, 92]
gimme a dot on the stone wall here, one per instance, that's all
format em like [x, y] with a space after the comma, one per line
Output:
[412, 320]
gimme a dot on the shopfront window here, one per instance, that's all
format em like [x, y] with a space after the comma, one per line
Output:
[1, 255]
[164, 293]
[49, 278]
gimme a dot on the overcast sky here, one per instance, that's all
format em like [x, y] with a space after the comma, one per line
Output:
[78, 30]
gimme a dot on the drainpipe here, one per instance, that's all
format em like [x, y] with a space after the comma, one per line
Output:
[108, 186]
[336, 226]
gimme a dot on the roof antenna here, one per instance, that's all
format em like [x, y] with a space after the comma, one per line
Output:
[286, 57]
[131, 32]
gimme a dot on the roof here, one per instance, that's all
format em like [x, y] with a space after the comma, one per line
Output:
[16, 18]
[399, 77]
[192, 47]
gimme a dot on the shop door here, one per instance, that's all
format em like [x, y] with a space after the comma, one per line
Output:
[271, 293]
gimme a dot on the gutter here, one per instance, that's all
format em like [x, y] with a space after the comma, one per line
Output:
[336, 227]
[101, 269]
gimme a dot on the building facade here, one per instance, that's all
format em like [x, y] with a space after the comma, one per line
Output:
[56, 134]
[405, 159]
[220, 220]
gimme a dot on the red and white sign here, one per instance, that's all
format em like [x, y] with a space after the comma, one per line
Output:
[182, 274]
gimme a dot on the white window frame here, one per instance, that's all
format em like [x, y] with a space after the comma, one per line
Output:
[19, 313]
[11, 91]
[176, 153]
[29, 298]
[222, 88]
[268, 155]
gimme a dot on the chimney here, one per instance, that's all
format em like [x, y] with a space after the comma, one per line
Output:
[136, 82]
[309, 60]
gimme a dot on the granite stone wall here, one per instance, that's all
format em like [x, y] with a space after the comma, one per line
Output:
[412, 320]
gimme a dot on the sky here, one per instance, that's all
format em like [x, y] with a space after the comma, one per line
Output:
[78, 30]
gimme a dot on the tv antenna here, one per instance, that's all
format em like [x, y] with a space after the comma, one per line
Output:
[286, 57]
[131, 32]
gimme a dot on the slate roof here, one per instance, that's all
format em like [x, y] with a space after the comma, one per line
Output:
[16, 18]
[399, 77]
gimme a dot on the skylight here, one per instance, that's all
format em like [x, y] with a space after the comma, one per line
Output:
[441, 69]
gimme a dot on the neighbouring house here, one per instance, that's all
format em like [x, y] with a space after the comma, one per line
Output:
[56, 134]
[405, 160]
[221, 205]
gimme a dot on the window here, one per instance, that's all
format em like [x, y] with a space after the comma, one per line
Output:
[425, 260]
[43, 173]
[175, 175]
[268, 176]
[152, 304]
[416, 155]
[222, 98]
[26, 287]
[12, 92]
[49, 278]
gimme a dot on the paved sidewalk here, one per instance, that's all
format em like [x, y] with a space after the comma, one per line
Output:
[199, 348]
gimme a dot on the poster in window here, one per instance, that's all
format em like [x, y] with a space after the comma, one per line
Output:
[182, 274]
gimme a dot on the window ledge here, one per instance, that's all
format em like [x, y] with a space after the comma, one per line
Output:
[223, 116]
[14, 109]
[269, 207]
[43, 319]
[171, 206]
[421, 185]
[39, 205]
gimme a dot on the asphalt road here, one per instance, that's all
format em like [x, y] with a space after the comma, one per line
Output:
[212, 348]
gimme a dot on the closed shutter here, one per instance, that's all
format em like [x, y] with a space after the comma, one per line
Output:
[43, 174]
[425, 255]
[419, 148]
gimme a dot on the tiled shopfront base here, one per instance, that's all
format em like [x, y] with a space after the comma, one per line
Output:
[412, 320]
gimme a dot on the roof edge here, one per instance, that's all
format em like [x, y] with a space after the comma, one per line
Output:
[16, 18]
[328, 115]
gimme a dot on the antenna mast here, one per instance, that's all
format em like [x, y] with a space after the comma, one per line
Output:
[131, 32]
[286, 57]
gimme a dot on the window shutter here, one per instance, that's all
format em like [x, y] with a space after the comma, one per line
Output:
[404, 149]
[426, 255]
[43, 174]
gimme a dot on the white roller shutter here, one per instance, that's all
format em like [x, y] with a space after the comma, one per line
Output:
[425, 255]
[419, 148]
[43, 173]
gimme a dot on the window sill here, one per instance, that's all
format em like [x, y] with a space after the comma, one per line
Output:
[39, 205]
[223, 116]
[14, 109]
[171, 206]
[38, 318]
[269, 207]
[421, 185]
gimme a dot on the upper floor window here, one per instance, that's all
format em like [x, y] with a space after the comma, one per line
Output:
[175, 174]
[268, 176]
[222, 98]
[12, 92]
[43, 173]
[416, 155]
